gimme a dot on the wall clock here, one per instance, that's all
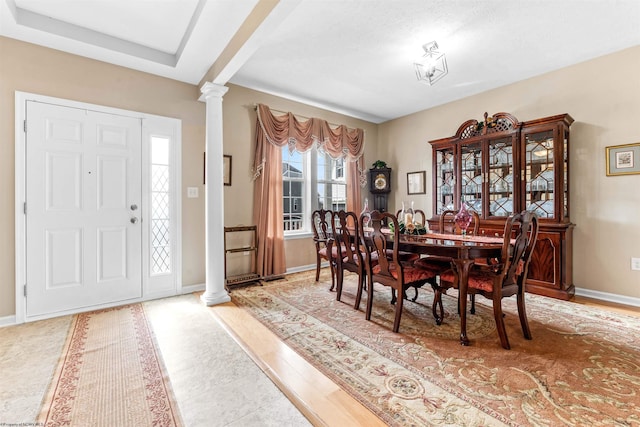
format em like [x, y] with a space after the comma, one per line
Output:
[380, 186]
[380, 180]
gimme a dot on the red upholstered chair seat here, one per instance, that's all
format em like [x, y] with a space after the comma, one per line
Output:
[374, 257]
[411, 273]
[480, 278]
[334, 253]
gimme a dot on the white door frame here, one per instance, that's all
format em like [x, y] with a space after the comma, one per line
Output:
[169, 126]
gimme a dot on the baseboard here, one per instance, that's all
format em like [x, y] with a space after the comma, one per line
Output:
[7, 321]
[308, 267]
[198, 287]
[605, 296]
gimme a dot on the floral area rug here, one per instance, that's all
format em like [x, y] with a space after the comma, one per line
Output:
[582, 367]
[110, 374]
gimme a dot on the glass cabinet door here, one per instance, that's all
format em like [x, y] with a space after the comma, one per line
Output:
[445, 179]
[501, 177]
[471, 176]
[540, 175]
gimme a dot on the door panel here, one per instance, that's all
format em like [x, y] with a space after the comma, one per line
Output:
[112, 254]
[112, 183]
[63, 258]
[83, 174]
[64, 181]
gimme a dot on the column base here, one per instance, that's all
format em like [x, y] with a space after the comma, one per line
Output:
[215, 298]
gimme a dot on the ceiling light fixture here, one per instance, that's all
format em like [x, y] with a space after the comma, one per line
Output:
[432, 66]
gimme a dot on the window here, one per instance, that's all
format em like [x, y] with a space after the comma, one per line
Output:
[293, 174]
[160, 206]
[311, 181]
[161, 259]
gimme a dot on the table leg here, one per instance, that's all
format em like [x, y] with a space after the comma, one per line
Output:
[462, 267]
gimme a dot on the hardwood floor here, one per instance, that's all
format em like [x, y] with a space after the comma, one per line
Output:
[323, 402]
[606, 305]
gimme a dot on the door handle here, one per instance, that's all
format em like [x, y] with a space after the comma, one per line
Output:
[134, 207]
[134, 220]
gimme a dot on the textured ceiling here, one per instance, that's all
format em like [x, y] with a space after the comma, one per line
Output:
[350, 56]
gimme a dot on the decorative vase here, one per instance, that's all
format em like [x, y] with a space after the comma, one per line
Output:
[463, 218]
[365, 214]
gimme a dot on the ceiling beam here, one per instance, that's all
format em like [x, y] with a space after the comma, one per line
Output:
[265, 18]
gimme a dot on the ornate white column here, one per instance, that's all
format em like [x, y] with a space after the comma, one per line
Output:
[214, 197]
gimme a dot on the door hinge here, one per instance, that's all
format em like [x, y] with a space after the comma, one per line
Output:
[24, 208]
[24, 126]
[25, 289]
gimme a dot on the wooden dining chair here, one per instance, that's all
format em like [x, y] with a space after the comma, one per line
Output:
[389, 270]
[447, 224]
[322, 226]
[507, 276]
[352, 259]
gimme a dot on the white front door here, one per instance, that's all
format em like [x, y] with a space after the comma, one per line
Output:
[83, 208]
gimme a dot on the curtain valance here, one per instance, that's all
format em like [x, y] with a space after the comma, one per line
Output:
[303, 135]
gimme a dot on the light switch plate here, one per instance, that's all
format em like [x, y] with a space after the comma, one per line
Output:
[192, 192]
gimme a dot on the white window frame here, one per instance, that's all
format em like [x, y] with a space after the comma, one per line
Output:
[158, 285]
[310, 179]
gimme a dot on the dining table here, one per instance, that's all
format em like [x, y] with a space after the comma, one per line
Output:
[463, 250]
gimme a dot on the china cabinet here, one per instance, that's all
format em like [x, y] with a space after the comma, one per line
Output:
[498, 166]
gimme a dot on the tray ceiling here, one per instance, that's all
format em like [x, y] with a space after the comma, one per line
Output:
[353, 57]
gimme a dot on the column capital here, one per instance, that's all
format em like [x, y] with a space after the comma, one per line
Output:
[212, 90]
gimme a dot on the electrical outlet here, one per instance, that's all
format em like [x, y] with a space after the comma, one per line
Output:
[635, 263]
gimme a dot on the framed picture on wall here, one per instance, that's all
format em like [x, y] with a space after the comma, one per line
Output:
[226, 170]
[415, 182]
[623, 159]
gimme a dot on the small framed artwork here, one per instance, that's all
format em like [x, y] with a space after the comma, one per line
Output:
[623, 159]
[415, 182]
[226, 170]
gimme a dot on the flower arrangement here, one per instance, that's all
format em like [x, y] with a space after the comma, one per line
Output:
[412, 229]
[379, 164]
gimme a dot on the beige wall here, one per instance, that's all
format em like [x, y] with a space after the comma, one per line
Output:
[603, 96]
[239, 142]
[29, 68]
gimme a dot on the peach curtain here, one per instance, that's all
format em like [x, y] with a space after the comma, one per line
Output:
[272, 133]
